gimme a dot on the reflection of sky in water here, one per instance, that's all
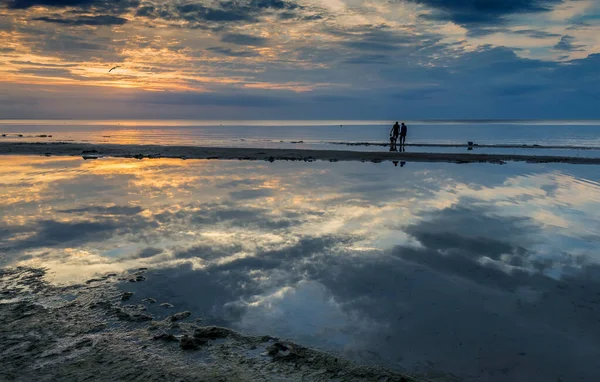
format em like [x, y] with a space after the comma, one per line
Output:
[489, 272]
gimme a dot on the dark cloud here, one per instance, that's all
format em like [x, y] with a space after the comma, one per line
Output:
[116, 6]
[251, 100]
[483, 12]
[232, 53]
[54, 72]
[74, 46]
[31, 63]
[244, 39]
[218, 12]
[149, 252]
[47, 72]
[566, 43]
[85, 20]
[48, 233]
[63, 234]
[208, 252]
[251, 194]
[536, 34]
[370, 59]
[101, 210]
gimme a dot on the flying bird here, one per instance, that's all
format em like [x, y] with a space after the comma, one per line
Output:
[113, 68]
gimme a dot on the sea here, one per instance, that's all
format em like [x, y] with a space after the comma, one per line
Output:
[471, 272]
[307, 134]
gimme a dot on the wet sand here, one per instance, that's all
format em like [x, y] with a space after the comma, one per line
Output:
[475, 145]
[93, 151]
[93, 332]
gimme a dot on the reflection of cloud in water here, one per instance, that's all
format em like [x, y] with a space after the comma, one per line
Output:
[485, 271]
[310, 309]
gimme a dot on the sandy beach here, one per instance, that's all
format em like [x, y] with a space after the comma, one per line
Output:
[92, 151]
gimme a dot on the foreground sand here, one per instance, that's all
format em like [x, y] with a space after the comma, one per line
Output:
[91, 332]
[91, 151]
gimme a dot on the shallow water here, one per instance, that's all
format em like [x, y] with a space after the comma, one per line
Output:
[487, 272]
[311, 134]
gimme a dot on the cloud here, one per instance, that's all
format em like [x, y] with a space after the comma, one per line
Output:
[244, 39]
[566, 43]
[251, 100]
[117, 6]
[101, 210]
[43, 64]
[251, 194]
[232, 53]
[223, 11]
[289, 56]
[483, 12]
[536, 33]
[149, 252]
[85, 20]
[369, 59]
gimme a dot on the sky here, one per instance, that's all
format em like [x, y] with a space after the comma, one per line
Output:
[300, 59]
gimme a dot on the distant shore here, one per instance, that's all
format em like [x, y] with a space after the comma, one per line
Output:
[93, 151]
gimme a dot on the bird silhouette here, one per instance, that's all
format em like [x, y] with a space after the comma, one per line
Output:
[113, 68]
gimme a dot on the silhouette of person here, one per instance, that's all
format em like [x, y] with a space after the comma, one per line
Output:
[394, 134]
[403, 131]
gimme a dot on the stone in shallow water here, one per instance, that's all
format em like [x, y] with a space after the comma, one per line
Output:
[180, 316]
[212, 333]
[166, 305]
[188, 343]
[164, 337]
[278, 349]
[126, 296]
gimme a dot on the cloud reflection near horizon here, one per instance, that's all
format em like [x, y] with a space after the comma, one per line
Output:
[487, 272]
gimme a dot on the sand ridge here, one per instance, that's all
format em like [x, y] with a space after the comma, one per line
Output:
[93, 151]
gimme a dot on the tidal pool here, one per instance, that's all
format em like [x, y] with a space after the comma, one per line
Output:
[482, 272]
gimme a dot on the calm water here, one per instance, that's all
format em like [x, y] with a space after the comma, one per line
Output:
[313, 134]
[487, 272]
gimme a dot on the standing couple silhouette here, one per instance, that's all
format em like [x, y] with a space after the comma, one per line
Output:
[398, 131]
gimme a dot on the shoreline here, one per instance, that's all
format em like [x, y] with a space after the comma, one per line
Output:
[475, 145]
[94, 151]
[82, 331]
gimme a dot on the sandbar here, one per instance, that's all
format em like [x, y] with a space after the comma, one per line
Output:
[91, 151]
